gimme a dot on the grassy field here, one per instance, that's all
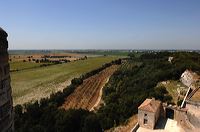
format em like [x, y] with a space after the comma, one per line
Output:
[20, 65]
[33, 84]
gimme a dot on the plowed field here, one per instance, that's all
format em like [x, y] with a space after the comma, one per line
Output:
[87, 94]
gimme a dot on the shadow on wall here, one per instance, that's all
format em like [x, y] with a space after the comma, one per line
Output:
[161, 123]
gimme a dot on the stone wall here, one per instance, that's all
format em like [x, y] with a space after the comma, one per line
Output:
[193, 112]
[6, 103]
[189, 78]
[150, 117]
[182, 120]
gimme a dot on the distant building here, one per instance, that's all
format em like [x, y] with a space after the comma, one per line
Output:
[148, 113]
[6, 108]
[170, 59]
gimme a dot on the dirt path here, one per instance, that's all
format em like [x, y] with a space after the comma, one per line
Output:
[88, 94]
[99, 97]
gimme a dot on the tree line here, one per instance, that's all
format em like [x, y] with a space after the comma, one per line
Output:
[127, 88]
[45, 115]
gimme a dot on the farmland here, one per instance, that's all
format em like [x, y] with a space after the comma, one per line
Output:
[44, 57]
[135, 80]
[87, 94]
[16, 66]
[35, 83]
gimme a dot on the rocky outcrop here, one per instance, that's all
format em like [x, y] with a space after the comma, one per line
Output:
[6, 103]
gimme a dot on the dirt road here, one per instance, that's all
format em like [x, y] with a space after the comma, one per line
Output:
[88, 94]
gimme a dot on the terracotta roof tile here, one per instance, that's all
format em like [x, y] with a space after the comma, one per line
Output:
[150, 105]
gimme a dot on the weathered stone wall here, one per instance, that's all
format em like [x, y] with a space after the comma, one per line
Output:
[193, 112]
[182, 120]
[189, 79]
[6, 108]
[149, 116]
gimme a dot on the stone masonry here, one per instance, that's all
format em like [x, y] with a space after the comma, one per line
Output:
[190, 79]
[148, 113]
[6, 103]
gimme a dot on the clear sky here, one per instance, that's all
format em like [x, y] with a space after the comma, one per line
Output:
[101, 24]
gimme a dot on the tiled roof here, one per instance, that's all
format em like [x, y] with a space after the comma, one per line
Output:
[150, 105]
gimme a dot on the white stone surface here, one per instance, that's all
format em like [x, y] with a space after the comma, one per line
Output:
[170, 126]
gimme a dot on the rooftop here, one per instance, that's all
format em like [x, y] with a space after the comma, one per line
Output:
[150, 105]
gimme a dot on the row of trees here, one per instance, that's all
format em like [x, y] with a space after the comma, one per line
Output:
[127, 88]
[130, 86]
[46, 116]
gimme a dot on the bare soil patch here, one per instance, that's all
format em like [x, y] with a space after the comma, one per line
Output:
[67, 56]
[87, 94]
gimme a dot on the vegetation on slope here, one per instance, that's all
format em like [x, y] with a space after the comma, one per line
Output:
[137, 80]
[47, 117]
[86, 95]
[128, 87]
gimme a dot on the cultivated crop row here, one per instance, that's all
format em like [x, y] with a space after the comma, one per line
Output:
[86, 95]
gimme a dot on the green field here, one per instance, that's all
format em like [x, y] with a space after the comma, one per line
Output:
[20, 65]
[33, 84]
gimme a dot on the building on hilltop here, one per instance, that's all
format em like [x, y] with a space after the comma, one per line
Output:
[148, 113]
[190, 78]
[6, 103]
[153, 115]
[170, 59]
[184, 118]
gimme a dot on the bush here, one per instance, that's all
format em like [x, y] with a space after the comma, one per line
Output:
[45, 116]
[179, 102]
[127, 89]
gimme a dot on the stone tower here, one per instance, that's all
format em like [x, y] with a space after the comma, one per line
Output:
[6, 103]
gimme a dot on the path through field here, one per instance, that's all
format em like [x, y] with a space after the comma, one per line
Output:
[87, 94]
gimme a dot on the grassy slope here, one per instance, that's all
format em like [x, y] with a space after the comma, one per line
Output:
[33, 84]
[172, 86]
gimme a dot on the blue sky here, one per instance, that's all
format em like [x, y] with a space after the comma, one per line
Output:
[101, 24]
